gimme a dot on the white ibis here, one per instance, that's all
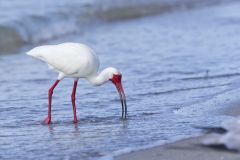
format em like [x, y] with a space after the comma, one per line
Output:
[77, 61]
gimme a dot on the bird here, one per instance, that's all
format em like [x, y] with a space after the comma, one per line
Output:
[77, 60]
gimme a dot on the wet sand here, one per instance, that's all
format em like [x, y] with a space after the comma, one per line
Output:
[187, 149]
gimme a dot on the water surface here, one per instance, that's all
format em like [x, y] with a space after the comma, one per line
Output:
[177, 68]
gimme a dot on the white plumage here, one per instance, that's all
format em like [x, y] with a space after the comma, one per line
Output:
[76, 60]
[69, 59]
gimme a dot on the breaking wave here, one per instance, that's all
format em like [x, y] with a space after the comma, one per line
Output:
[30, 22]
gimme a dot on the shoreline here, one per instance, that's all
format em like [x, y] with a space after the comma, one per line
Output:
[187, 148]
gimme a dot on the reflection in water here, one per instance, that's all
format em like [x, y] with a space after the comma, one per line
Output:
[50, 129]
[76, 131]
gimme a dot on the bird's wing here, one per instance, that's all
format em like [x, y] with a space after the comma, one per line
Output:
[50, 67]
[68, 58]
[61, 59]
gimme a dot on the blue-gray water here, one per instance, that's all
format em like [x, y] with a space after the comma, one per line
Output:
[177, 68]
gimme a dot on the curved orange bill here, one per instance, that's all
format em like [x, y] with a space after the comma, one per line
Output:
[116, 80]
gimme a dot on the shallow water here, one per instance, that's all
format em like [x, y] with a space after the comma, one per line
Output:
[177, 68]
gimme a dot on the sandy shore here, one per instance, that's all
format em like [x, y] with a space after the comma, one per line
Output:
[187, 149]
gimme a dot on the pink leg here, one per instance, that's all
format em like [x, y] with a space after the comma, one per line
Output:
[73, 97]
[50, 92]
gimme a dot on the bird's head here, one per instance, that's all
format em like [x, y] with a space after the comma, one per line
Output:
[116, 78]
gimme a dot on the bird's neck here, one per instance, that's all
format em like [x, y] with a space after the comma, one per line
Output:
[99, 79]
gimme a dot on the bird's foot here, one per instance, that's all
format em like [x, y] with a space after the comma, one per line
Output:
[75, 121]
[47, 120]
